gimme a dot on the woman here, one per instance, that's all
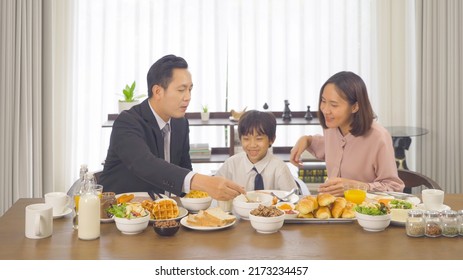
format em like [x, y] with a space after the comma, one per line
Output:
[356, 149]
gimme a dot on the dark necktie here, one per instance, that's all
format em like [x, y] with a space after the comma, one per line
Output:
[165, 134]
[258, 181]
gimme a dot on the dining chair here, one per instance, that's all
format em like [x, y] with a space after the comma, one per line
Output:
[414, 179]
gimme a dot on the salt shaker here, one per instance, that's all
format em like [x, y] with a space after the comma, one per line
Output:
[415, 223]
[433, 224]
[449, 223]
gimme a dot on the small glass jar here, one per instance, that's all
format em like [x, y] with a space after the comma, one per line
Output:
[449, 223]
[433, 224]
[460, 221]
[415, 223]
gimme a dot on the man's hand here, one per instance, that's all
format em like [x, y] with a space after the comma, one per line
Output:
[217, 187]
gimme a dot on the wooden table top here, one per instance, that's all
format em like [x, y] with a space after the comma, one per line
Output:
[241, 241]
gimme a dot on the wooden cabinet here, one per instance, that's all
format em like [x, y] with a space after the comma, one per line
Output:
[222, 119]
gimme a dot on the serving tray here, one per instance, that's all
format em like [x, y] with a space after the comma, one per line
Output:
[318, 221]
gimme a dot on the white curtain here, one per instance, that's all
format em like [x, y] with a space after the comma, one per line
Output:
[20, 101]
[439, 90]
[33, 90]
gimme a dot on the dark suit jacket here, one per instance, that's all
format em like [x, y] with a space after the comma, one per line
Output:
[135, 160]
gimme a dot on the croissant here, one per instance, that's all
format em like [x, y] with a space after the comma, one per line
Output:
[323, 213]
[325, 199]
[306, 205]
[348, 211]
[338, 206]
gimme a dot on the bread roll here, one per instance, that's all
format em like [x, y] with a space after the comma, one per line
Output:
[323, 212]
[306, 205]
[325, 199]
[349, 211]
[338, 206]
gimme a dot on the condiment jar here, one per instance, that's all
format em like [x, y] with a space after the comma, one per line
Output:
[449, 223]
[415, 223]
[460, 221]
[433, 224]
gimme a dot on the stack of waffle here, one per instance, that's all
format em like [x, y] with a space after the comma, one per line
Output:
[162, 209]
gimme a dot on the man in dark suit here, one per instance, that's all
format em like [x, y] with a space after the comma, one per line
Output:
[149, 145]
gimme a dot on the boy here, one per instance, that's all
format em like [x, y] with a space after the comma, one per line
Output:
[255, 168]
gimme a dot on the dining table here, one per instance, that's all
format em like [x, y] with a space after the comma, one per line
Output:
[294, 241]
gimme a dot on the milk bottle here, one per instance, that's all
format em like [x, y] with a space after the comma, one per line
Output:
[89, 213]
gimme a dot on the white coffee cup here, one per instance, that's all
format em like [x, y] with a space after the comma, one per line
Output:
[433, 199]
[39, 221]
[225, 205]
[59, 201]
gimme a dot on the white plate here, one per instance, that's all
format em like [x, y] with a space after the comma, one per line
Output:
[185, 224]
[389, 195]
[65, 212]
[293, 198]
[444, 207]
[139, 195]
[318, 221]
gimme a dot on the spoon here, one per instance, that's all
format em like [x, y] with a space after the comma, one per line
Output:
[286, 198]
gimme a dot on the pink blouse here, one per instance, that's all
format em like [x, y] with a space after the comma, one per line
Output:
[368, 158]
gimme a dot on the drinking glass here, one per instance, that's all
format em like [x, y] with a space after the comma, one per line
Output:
[355, 193]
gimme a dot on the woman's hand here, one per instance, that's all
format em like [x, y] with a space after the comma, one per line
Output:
[301, 145]
[335, 186]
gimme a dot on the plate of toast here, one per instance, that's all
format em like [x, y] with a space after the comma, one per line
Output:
[209, 219]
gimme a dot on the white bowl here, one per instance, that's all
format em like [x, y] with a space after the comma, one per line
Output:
[196, 204]
[241, 207]
[373, 223]
[132, 226]
[289, 213]
[267, 224]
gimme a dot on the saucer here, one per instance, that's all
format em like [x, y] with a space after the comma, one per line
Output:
[444, 207]
[65, 212]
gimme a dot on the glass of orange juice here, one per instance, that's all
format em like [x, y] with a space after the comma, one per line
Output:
[355, 193]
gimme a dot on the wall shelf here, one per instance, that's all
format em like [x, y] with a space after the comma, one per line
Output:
[220, 154]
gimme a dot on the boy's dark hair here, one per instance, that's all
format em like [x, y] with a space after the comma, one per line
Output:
[264, 123]
[352, 89]
[160, 72]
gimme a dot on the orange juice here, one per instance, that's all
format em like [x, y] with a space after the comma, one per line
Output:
[356, 196]
[76, 202]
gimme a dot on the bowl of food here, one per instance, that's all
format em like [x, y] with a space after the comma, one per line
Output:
[196, 200]
[130, 218]
[243, 204]
[288, 208]
[166, 228]
[266, 219]
[373, 216]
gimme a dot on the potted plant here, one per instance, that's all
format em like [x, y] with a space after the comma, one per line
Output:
[205, 114]
[129, 98]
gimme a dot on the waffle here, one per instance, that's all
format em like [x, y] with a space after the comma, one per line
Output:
[162, 209]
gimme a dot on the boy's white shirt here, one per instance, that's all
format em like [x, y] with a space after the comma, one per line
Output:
[275, 173]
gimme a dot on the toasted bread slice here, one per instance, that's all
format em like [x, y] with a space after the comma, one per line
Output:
[218, 216]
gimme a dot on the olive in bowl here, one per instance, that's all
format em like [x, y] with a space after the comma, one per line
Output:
[166, 228]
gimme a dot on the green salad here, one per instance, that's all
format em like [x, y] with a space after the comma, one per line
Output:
[400, 204]
[128, 210]
[373, 209]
